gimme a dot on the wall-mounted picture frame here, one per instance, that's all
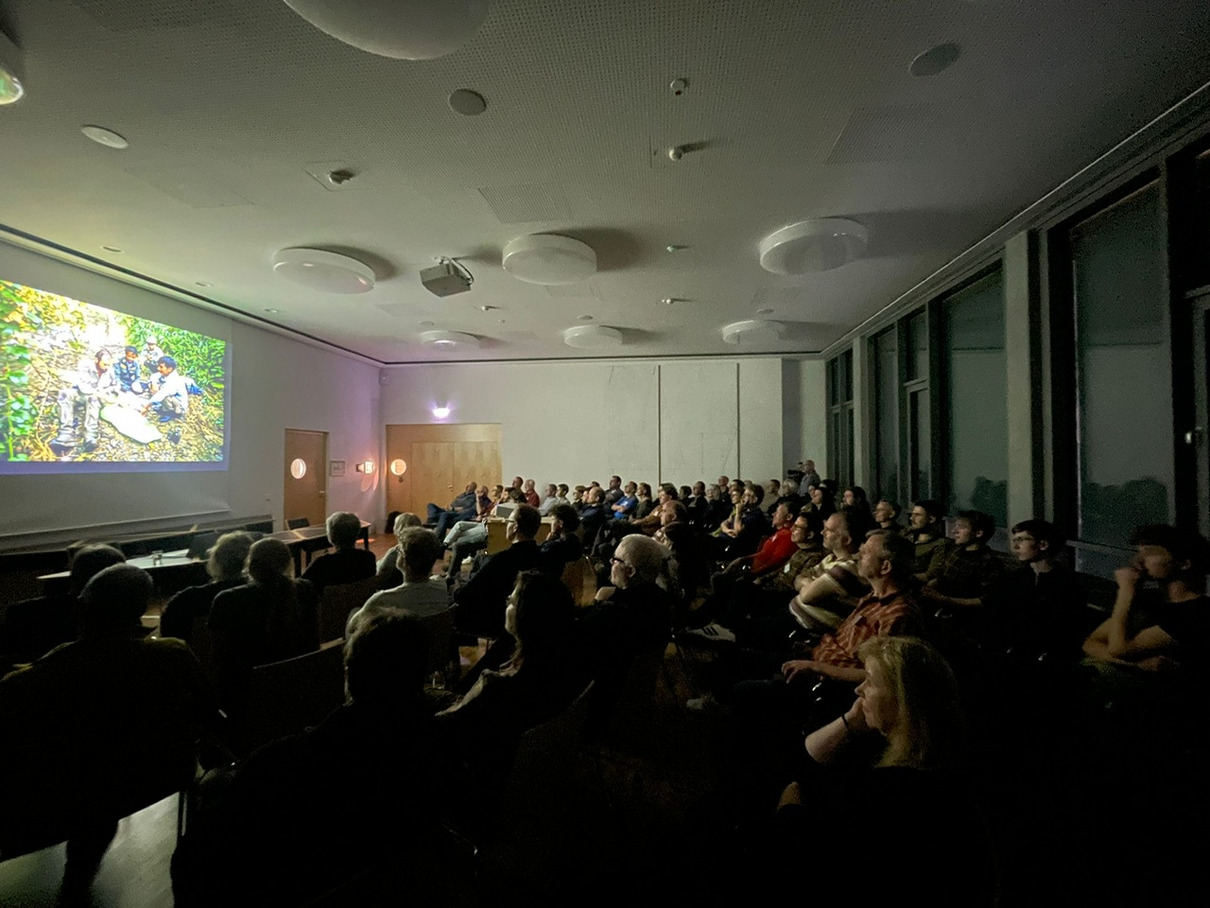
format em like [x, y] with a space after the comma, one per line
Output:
[336, 468]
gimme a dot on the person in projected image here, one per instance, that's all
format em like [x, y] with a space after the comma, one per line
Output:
[95, 385]
[129, 371]
[170, 397]
[152, 353]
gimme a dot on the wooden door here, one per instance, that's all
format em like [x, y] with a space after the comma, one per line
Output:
[306, 472]
[440, 461]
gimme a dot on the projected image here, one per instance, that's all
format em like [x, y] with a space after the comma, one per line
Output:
[81, 383]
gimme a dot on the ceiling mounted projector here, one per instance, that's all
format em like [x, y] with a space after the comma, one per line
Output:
[400, 29]
[592, 337]
[319, 269]
[446, 278]
[753, 332]
[549, 259]
[816, 245]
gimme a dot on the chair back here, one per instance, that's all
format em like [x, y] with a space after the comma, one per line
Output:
[440, 631]
[297, 523]
[580, 578]
[338, 602]
[289, 696]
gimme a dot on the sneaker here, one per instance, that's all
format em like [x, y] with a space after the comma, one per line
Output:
[713, 631]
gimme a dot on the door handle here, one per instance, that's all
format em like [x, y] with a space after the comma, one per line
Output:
[1195, 435]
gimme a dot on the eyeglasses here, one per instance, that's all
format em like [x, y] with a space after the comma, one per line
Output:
[616, 560]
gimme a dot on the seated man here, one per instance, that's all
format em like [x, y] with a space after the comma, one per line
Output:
[470, 536]
[347, 564]
[388, 572]
[289, 823]
[1170, 632]
[562, 546]
[959, 577]
[93, 387]
[482, 599]
[625, 504]
[421, 594]
[170, 397]
[550, 498]
[926, 529]
[1038, 611]
[742, 534]
[614, 492]
[98, 728]
[225, 565]
[593, 515]
[832, 588]
[463, 507]
[531, 495]
[128, 371]
[886, 515]
[774, 552]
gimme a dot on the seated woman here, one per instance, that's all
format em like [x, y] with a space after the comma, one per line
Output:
[271, 618]
[225, 565]
[892, 754]
[536, 684]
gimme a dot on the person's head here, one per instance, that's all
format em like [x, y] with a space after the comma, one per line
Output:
[419, 549]
[615, 482]
[754, 494]
[343, 529]
[809, 466]
[562, 489]
[789, 487]
[523, 523]
[405, 521]
[644, 491]
[714, 492]
[385, 660]
[1167, 553]
[630, 488]
[90, 560]
[518, 482]
[673, 512]
[724, 482]
[528, 487]
[971, 527]
[836, 537]
[699, 488]
[855, 497]
[807, 529]
[539, 615]
[515, 494]
[817, 495]
[668, 492]
[498, 491]
[737, 493]
[482, 491]
[165, 364]
[268, 560]
[1035, 540]
[684, 493]
[911, 698]
[782, 517]
[595, 495]
[885, 555]
[926, 514]
[114, 600]
[551, 490]
[151, 341]
[637, 560]
[886, 511]
[226, 558]
[471, 486]
[132, 352]
[773, 486]
[566, 520]
[103, 360]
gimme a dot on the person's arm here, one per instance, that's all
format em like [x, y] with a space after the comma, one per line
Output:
[807, 667]
[1119, 643]
[825, 743]
[823, 587]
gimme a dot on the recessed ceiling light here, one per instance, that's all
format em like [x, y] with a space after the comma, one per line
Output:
[466, 102]
[425, 324]
[273, 311]
[203, 283]
[415, 30]
[934, 60]
[585, 318]
[319, 269]
[668, 300]
[113, 249]
[590, 337]
[672, 247]
[103, 136]
[549, 259]
[765, 311]
[815, 245]
[448, 340]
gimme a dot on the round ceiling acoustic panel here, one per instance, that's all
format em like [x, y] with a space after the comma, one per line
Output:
[550, 259]
[319, 269]
[449, 340]
[592, 337]
[820, 244]
[753, 332]
[400, 29]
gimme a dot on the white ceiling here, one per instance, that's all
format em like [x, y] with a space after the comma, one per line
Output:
[799, 108]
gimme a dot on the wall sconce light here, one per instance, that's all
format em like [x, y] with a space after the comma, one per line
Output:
[366, 466]
[441, 412]
[399, 466]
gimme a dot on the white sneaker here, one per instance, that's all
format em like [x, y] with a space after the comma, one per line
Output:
[713, 631]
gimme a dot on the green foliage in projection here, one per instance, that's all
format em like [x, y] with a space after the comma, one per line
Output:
[198, 356]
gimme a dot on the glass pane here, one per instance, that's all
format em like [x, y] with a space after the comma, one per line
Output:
[833, 384]
[918, 346]
[886, 407]
[919, 440]
[846, 377]
[1124, 394]
[847, 479]
[976, 404]
[1200, 262]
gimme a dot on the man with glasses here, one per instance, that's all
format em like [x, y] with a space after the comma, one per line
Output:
[481, 600]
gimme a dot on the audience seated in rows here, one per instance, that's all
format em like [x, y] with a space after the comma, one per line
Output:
[420, 594]
[225, 565]
[463, 507]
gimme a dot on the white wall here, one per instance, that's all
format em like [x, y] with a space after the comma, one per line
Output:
[675, 421]
[807, 437]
